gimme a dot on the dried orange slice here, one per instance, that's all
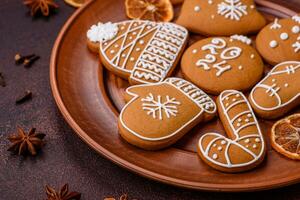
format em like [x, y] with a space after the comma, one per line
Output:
[154, 10]
[75, 3]
[285, 136]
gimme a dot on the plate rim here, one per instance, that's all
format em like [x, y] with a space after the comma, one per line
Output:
[124, 163]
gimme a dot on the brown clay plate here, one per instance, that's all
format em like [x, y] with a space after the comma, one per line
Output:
[90, 99]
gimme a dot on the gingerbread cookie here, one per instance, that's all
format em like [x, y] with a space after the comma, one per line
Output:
[280, 41]
[141, 51]
[278, 92]
[158, 114]
[221, 63]
[221, 17]
[245, 147]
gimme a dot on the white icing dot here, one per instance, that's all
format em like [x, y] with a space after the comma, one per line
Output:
[227, 104]
[252, 56]
[296, 29]
[132, 59]
[237, 95]
[134, 33]
[238, 124]
[239, 120]
[240, 67]
[234, 99]
[215, 156]
[214, 145]
[273, 80]
[210, 2]
[257, 140]
[252, 6]
[254, 146]
[247, 141]
[138, 49]
[212, 16]
[105, 43]
[247, 146]
[116, 45]
[220, 148]
[197, 8]
[141, 41]
[122, 27]
[247, 120]
[135, 24]
[130, 38]
[112, 51]
[227, 98]
[284, 36]
[286, 85]
[194, 51]
[223, 142]
[273, 44]
[123, 55]
[249, 115]
[148, 27]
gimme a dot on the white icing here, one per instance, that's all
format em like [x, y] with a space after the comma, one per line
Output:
[215, 156]
[284, 36]
[273, 44]
[226, 54]
[132, 59]
[232, 9]
[257, 136]
[212, 16]
[296, 45]
[252, 6]
[194, 51]
[252, 56]
[155, 106]
[240, 67]
[102, 32]
[220, 148]
[210, 2]
[241, 38]
[292, 68]
[112, 51]
[296, 29]
[176, 83]
[197, 8]
[254, 146]
[296, 18]
[141, 42]
[275, 24]
[286, 85]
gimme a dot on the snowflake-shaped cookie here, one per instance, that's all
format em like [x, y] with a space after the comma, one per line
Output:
[232, 9]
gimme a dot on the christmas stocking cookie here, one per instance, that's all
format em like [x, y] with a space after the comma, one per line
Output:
[158, 114]
[278, 92]
[221, 17]
[140, 51]
[280, 41]
[244, 148]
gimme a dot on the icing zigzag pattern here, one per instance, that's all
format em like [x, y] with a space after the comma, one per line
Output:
[146, 76]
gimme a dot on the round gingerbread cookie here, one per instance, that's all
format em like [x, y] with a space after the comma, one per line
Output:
[221, 63]
[280, 41]
[221, 17]
[158, 114]
[138, 50]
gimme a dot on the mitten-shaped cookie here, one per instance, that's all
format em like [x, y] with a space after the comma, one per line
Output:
[280, 41]
[140, 51]
[245, 147]
[278, 92]
[158, 114]
[222, 63]
[221, 17]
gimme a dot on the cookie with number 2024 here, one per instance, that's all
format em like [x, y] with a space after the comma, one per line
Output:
[140, 51]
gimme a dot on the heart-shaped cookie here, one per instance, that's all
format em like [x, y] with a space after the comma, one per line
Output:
[140, 51]
[280, 40]
[278, 92]
[158, 114]
[221, 17]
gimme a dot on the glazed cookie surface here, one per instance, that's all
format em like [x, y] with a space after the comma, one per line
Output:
[245, 147]
[221, 63]
[158, 114]
[141, 51]
[221, 17]
[278, 92]
[280, 41]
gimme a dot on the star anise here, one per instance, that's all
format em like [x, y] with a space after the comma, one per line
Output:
[43, 6]
[63, 194]
[26, 143]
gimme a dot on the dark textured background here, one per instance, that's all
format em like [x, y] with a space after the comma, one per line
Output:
[65, 158]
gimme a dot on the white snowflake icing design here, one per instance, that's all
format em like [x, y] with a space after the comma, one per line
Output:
[156, 107]
[232, 9]
[296, 45]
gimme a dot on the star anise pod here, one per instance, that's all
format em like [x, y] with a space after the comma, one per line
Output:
[26, 143]
[63, 194]
[43, 6]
